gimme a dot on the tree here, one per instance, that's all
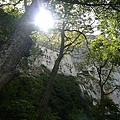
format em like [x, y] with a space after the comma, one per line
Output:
[104, 58]
[104, 55]
[7, 27]
[112, 110]
[63, 50]
[17, 47]
[102, 61]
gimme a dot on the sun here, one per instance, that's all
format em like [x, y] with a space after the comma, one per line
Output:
[44, 19]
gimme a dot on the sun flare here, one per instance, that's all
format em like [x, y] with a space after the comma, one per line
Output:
[44, 19]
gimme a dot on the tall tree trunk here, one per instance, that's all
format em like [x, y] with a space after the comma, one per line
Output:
[48, 91]
[102, 104]
[102, 94]
[17, 47]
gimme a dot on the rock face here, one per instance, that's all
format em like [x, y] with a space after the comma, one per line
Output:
[48, 59]
[73, 65]
[89, 79]
[92, 88]
[116, 94]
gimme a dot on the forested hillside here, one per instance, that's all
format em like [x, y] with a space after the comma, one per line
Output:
[21, 99]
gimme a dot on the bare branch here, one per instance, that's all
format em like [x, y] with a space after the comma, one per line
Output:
[72, 42]
[4, 4]
[89, 4]
[115, 8]
[77, 31]
[114, 5]
[17, 2]
[99, 74]
[11, 3]
[25, 4]
[62, 40]
[111, 91]
[108, 75]
[104, 63]
[73, 47]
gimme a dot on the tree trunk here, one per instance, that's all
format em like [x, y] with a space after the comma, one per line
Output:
[48, 91]
[17, 47]
[102, 104]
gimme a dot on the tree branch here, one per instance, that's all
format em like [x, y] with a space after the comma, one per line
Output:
[114, 6]
[111, 91]
[108, 75]
[71, 42]
[25, 4]
[104, 63]
[51, 79]
[72, 47]
[88, 4]
[10, 4]
[5, 4]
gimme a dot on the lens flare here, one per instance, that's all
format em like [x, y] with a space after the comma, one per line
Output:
[44, 19]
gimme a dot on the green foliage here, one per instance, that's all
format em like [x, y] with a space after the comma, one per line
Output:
[112, 110]
[8, 19]
[105, 49]
[50, 115]
[109, 41]
[109, 23]
[66, 97]
[21, 98]
[77, 114]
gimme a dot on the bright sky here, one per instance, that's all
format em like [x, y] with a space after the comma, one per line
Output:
[44, 19]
